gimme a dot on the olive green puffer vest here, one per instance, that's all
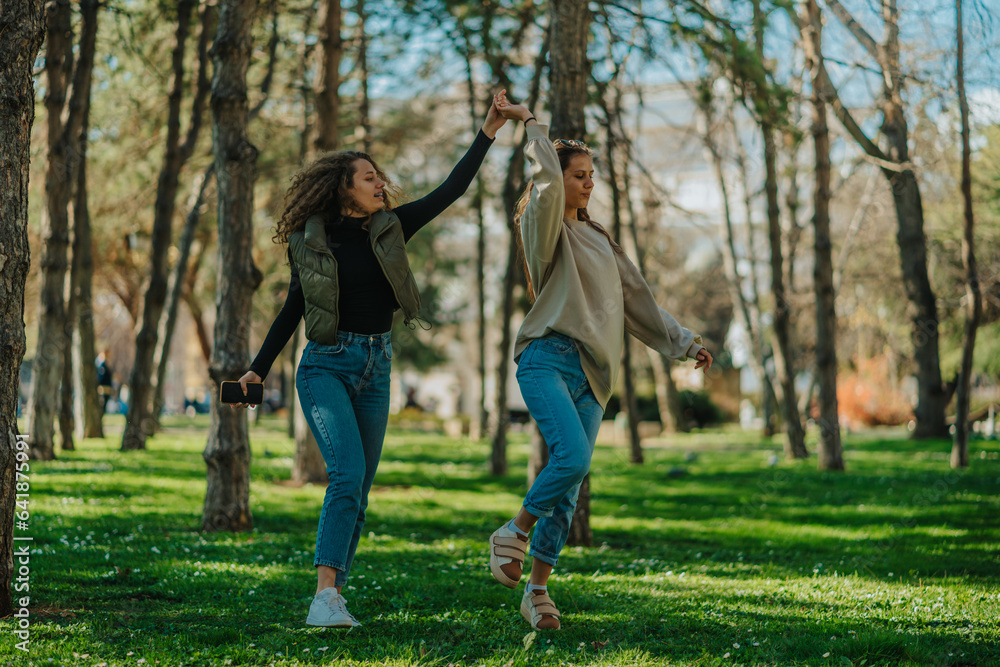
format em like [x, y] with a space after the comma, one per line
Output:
[318, 272]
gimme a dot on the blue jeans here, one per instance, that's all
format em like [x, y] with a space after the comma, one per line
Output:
[559, 398]
[344, 392]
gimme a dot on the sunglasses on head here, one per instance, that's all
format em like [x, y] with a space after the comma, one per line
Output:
[570, 142]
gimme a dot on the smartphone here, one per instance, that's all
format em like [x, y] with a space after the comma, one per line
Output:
[232, 392]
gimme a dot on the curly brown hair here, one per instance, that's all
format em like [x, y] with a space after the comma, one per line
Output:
[566, 152]
[324, 187]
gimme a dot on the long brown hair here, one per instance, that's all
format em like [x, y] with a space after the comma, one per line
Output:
[324, 187]
[566, 153]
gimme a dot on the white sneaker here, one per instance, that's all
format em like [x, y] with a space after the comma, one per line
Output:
[329, 610]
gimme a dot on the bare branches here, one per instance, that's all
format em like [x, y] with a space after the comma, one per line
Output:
[865, 39]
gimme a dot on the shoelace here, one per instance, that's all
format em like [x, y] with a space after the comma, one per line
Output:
[339, 604]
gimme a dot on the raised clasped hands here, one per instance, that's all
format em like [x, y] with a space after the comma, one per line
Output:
[511, 111]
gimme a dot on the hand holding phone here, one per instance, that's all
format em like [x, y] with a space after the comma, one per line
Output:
[233, 392]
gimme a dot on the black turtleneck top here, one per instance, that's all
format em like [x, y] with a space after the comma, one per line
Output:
[366, 301]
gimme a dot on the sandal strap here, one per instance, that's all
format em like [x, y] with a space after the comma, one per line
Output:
[543, 605]
[510, 542]
[507, 552]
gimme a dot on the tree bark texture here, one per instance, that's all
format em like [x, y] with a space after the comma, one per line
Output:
[830, 450]
[569, 72]
[327, 92]
[24, 29]
[140, 423]
[973, 296]
[227, 453]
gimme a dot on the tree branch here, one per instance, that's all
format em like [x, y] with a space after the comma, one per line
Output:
[856, 29]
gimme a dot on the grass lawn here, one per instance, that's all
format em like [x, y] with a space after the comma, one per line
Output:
[720, 560]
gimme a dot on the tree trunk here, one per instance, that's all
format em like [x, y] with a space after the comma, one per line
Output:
[92, 418]
[512, 187]
[308, 466]
[227, 453]
[973, 297]
[327, 92]
[667, 398]
[629, 403]
[478, 206]
[830, 450]
[46, 368]
[364, 112]
[932, 396]
[784, 357]
[24, 29]
[139, 422]
[195, 203]
[747, 311]
[569, 71]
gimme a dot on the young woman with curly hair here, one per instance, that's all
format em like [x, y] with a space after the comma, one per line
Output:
[585, 295]
[349, 272]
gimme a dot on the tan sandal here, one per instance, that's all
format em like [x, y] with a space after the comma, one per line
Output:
[505, 547]
[535, 607]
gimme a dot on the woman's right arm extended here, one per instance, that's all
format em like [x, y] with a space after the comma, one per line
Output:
[281, 329]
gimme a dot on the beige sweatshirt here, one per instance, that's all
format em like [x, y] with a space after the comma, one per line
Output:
[585, 290]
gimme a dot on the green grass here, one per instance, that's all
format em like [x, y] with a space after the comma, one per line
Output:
[723, 560]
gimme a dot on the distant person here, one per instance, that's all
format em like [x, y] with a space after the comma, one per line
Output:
[411, 400]
[585, 295]
[105, 379]
[349, 272]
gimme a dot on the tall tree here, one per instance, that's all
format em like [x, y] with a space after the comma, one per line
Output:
[79, 106]
[91, 416]
[140, 423]
[614, 144]
[308, 466]
[62, 159]
[203, 86]
[227, 453]
[327, 90]
[569, 72]
[784, 358]
[973, 295]
[897, 167]
[24, 29]
[830, 450]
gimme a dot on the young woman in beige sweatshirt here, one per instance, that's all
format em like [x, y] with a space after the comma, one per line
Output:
[586, 294]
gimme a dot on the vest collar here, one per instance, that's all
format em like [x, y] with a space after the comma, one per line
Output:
[315, 234]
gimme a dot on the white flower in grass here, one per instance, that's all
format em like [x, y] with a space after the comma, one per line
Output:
[323, 648]
[154, 550]
[726, 655]
[826, 655]
[736, 644]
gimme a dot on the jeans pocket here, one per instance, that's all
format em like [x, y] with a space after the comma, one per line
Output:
[336, 348]
[387, 350]
[558, 345]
